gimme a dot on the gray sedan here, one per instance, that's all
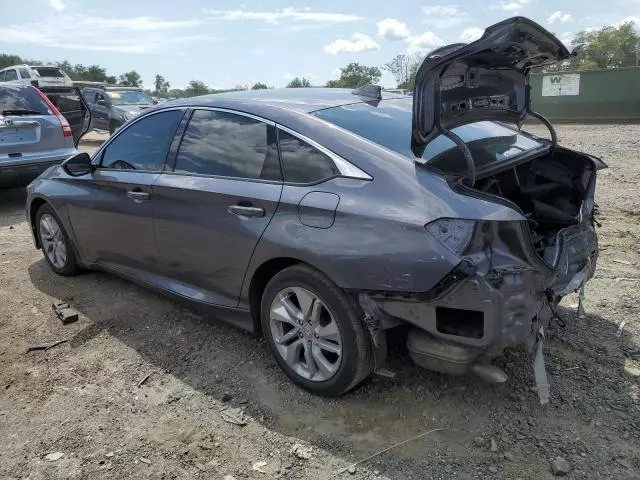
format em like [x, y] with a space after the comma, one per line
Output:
[323, 218]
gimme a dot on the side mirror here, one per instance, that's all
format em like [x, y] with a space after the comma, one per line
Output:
[102, 102]
[78, 165]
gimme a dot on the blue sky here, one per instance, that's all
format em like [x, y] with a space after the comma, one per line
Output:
[225, 43]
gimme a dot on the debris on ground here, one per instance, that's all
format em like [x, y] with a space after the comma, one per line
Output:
[235, 416]
[560, 467]
[633, 353]
[301, 452]
[44, 346]
[64, 312]
[145, 460]
[144, 379]
[494, 445]
[259, 466]
[478, 442]
[53, 457]
[226, 397]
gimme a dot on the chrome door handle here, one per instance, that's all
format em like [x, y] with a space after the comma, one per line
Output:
[246, 211]
[138, 196]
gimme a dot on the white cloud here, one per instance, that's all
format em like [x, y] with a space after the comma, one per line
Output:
[58, 5]
[444, 16]
[514, 6]
[558, 17]
[425, 42]
[125, 35]
[471, 34]
[392, 29]
[336, 72]
[277, 15]
[359, 42]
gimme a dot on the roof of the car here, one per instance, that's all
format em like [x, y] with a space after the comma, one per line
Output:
[298, 99]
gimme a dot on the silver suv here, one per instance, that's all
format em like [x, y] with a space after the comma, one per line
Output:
[37, 130]
[37, 76]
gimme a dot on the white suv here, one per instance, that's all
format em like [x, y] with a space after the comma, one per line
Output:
[38, 76]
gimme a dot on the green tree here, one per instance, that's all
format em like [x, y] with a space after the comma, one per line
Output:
[131, 79]
[160, 84]
[8, 60]
[259, 86]
[404, 69]
[299, 83]
[195, 88]
[355, 75]
[609, 47]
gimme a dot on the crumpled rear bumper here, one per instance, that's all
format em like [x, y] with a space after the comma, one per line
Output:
[504, 299]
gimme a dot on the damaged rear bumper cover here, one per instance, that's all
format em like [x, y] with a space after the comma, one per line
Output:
[493, 299]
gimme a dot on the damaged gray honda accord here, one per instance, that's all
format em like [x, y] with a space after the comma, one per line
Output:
[322, 218]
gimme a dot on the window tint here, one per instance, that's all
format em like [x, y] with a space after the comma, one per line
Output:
[11, 75]
[230, 145]
[144, 144]
[3, 76]
[15, 97]
[66, 101]
[24, 73]
[303, 163]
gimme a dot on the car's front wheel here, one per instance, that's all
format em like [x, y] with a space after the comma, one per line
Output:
[55, 242]
[314, 332]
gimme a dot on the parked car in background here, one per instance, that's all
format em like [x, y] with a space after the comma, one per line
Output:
[111, 106]
[38, 128]
[325, 217]
[36, 75]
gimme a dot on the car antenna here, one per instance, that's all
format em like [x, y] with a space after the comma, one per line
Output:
[369, 91]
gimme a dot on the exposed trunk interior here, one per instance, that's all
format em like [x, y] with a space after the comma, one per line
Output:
[549, 190]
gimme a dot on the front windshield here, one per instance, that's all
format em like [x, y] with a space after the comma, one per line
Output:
[129, 97]
[389, 124]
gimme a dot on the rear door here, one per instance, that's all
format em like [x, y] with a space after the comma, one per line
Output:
[215, 201]
[113, 220]
[71, 104]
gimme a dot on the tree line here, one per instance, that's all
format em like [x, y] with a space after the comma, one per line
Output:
[608, 47]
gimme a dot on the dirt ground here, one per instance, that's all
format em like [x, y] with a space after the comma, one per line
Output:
[83, 398]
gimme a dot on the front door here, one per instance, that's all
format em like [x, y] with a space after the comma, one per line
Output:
[113, 217]
[100, 111]
[212, 209]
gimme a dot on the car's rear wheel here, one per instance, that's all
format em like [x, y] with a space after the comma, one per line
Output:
[314, 332]
[55, 243]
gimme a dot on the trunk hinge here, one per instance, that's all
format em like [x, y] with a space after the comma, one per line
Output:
[471, 167]
[539, 116]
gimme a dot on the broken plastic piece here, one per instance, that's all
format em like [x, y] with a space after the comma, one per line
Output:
[581, 313]
[542, 384]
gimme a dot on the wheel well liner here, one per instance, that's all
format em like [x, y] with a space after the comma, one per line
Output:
[33, 211]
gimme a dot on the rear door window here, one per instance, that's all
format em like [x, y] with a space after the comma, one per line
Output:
[144, 144]
[229, 145]
[3, 76]
[24, 73]
[16, 99]
[49, 72]
[11, 75]
[302, 162]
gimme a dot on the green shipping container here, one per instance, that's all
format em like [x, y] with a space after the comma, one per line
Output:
[592, 96]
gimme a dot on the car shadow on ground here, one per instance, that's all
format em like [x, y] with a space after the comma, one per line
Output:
[218, 359]
[12, 206]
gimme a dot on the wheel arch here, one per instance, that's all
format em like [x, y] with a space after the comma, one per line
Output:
[34, 206]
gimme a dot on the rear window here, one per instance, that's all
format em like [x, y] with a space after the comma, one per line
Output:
[389, 124]
[21, 99]
[49, 72]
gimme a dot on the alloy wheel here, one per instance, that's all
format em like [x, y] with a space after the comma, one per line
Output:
[305, 334]
[52, 241]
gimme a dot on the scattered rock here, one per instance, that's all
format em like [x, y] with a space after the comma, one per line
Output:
[352, 470]
[64, 312]
[229, 477]
[560, 467]
[173, 397]
[235, 416]
[493, 469]
[145, 460]
[624, 463]
[53, 457]
[631, 369]
[301, 452]
[259, 466]
[508, 456]
[494, 445]
[110, 454]
[478, 442]
[226, 397]
[200, 466]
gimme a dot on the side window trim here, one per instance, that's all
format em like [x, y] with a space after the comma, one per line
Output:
[170, 165]
[96, 160]
[346, 168]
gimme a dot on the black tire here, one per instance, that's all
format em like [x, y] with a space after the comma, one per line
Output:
[70, 267]
[357, 360]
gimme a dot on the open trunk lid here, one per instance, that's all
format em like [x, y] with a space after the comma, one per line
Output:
[483, 80]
